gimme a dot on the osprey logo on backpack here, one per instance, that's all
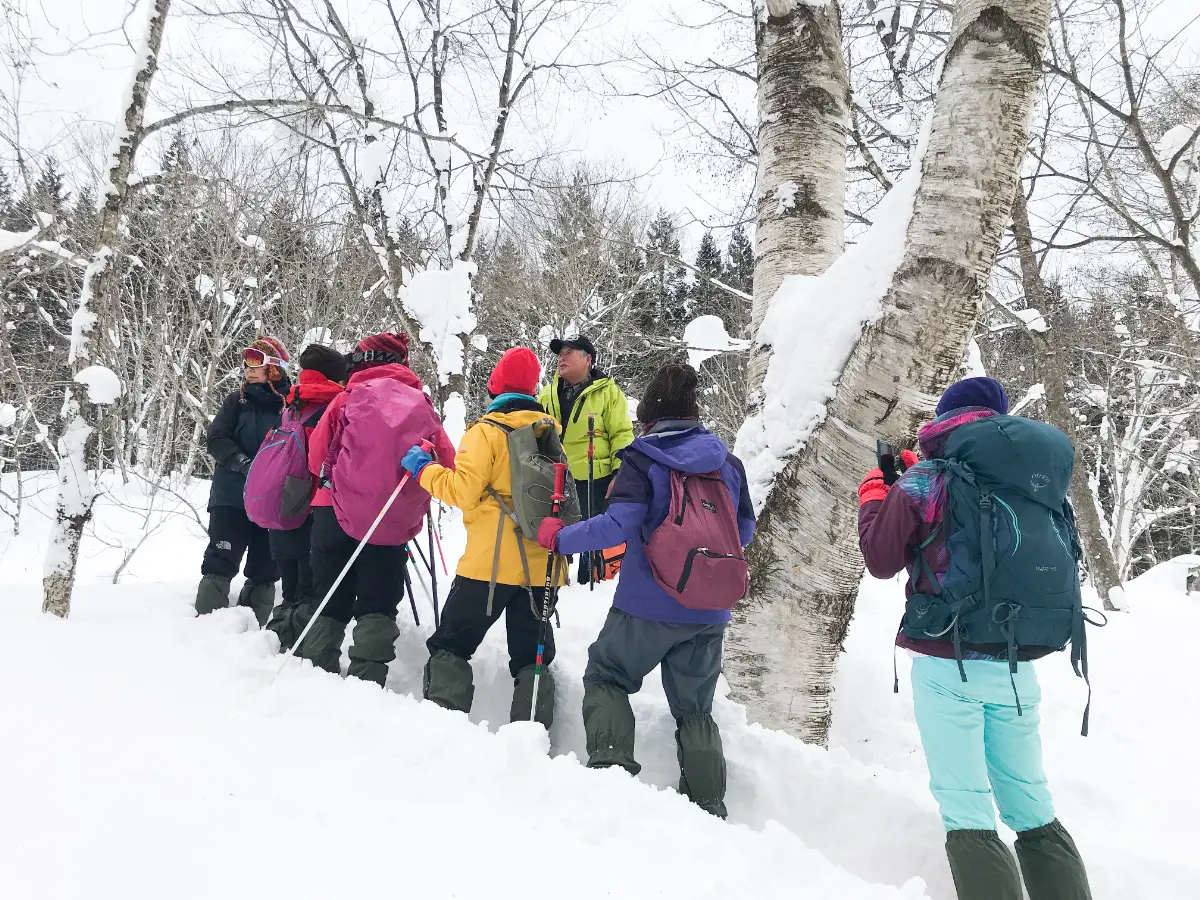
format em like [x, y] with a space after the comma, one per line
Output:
[1039, 482]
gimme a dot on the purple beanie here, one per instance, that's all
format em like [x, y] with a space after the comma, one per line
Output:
[985, 392]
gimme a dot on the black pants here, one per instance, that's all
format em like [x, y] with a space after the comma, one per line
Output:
[375, 583]
[597, 506]
[231, 535]
[465, 622]
[291, 551]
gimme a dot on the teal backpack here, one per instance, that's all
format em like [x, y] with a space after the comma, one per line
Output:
[1013, 576]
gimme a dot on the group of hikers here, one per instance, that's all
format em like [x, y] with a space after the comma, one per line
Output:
[344, 461]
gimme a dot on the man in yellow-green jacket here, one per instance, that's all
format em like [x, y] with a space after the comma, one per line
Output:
[578, 390]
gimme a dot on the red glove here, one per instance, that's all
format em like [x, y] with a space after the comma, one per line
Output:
[548, 531]
[872, 487]
[909, 458]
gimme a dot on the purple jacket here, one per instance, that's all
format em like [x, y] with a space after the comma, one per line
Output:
[641, 497]
[889, 530]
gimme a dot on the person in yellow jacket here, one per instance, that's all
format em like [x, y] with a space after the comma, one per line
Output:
[580, 390]
[473, 606]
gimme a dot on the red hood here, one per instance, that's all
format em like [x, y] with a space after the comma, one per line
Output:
[313, 387]
[394, 371]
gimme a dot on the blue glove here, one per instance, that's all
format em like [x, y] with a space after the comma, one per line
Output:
[415, 460]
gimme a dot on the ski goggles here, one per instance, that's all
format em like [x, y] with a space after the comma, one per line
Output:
[253, 358]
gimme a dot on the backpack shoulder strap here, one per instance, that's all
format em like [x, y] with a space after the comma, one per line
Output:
[312, 420]
[505, 510]
[484, 420]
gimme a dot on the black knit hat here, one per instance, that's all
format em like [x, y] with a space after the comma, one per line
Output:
[671, 394]
[326, 360]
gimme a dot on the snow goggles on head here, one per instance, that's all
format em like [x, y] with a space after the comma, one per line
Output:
[379, 356]
[254, 358]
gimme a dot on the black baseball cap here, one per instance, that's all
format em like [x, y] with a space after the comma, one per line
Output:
[579, 343]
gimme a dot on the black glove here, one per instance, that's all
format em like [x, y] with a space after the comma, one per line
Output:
[240, 463]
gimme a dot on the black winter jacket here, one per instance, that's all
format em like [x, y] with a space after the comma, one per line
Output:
[235, 434]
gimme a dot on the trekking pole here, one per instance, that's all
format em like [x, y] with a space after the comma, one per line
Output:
[432, 574]
[591, 556]
[426, 446]
[438, 538]
[556, 501]
[412, 601]
[421, 581]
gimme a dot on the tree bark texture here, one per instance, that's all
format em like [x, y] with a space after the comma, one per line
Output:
[784, 641]
[803, 120]
[97, 303]
[1049, 365]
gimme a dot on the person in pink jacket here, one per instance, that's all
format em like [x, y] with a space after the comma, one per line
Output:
[355, 452]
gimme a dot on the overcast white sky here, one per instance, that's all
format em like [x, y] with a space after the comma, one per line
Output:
[84, 62]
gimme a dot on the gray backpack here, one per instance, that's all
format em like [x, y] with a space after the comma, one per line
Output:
[533, 450]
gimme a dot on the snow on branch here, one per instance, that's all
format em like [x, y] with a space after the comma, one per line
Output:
[440, 300]
[706, 337]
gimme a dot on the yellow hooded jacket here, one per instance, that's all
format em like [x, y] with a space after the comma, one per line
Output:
[482, 460]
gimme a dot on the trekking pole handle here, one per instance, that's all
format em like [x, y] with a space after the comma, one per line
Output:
[560, 485]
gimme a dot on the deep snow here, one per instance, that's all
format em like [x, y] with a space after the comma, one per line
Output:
[145, 758]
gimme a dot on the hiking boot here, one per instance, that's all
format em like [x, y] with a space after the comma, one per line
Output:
[609, 726]
[982, 866]
[449, 681]
[522, 699]
[701, 763]
[260, 598]
[1051, 864]
[212, 594]
[373, 648]
[323, 646]
[287, 622]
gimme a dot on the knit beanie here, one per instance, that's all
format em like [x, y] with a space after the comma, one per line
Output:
[380, 350]
[517, 372]
[985, 392]
[671, 394]
[326, 360]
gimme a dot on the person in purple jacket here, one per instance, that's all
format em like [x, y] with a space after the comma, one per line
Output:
[646, 626]
[982, 745]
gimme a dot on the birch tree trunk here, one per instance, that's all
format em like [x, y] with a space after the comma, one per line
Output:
[97, 300]
[783, 646]
[803, 120]
[1048, 362]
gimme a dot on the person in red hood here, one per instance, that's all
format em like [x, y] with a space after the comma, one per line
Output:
[356, 451]
[323, 373]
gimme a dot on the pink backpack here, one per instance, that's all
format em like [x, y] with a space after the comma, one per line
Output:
[696, 553]
[383, 419]
[279, 487]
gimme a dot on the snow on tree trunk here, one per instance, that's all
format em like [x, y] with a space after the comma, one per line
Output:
[784, 642]
[97, 301]
[800, 192]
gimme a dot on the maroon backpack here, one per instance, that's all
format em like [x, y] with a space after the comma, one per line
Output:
[696, 553]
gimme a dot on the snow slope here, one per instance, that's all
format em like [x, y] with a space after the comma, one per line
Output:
[145, 758]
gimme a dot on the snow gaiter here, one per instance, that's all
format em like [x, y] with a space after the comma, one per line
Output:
[373, 648]
[1051, 864]
[609, 726]
[523, 697]
[323, 646]
[701, 763]
[212, 594]
[982, 866]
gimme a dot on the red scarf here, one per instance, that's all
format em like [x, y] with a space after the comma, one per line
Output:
[313, 387]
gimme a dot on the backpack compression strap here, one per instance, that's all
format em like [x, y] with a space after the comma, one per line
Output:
[505, 511]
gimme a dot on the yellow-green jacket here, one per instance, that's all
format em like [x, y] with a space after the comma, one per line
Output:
[614, 428]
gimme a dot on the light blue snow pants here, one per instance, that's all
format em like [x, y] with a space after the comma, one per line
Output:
[976, 745]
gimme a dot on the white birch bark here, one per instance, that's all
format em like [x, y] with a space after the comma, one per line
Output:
[76, 493]
[803, 120]
[783, 646]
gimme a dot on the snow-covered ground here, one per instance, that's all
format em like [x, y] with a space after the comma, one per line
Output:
[144, 757]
